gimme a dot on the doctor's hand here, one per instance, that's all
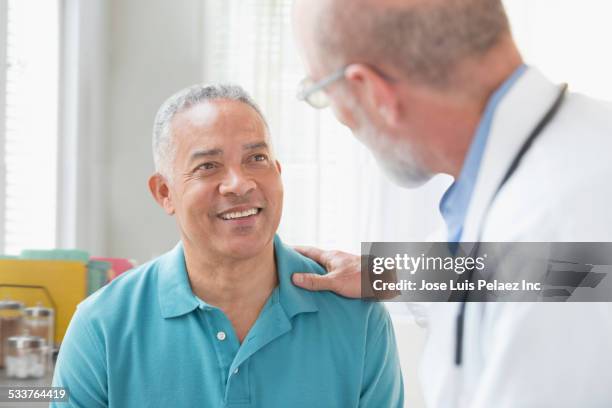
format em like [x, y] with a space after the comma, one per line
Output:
[343, 275]
[343, 272]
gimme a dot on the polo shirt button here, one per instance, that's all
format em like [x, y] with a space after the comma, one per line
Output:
[236, 370]
[221, 336]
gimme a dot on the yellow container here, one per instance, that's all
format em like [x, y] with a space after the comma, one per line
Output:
[64, 281]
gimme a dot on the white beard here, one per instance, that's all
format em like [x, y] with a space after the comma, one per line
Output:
[403, 171]
[397, 160]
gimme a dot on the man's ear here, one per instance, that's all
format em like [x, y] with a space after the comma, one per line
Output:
[375, 92]
[161, 192]
[278, 166]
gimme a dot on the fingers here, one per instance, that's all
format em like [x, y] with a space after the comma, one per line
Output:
[312, 281]
[316, 254]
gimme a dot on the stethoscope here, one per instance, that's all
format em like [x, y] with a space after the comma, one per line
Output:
[546, 119]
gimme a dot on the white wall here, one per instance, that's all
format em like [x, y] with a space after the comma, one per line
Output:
[155, 49]
[82, 166]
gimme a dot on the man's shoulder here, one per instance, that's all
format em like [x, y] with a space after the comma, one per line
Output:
[335, 307]
[123, 292]
[566, 171]
[588, 111]
[356, 318]
[354, 311]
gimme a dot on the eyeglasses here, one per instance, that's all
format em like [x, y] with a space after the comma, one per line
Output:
[314, 92]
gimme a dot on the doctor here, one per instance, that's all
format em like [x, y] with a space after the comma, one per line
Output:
[438, 86]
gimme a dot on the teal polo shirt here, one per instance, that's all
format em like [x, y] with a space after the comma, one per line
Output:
[145, 340]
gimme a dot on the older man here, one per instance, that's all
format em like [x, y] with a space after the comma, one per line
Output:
[216, 321]
[438, 86]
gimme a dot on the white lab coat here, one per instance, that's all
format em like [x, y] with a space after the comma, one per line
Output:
[523, 355]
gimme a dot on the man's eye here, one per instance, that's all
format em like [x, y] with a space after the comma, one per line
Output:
[207, 166]
[260, 157]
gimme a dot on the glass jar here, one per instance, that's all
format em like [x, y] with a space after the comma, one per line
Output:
[26, 357]
[39, 321]
[11, 318]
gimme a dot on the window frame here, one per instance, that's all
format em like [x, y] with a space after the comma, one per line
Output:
[3, 73]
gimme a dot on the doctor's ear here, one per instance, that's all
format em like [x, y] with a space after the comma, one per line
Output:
[278, 166]
[375, 93]
[161, 192]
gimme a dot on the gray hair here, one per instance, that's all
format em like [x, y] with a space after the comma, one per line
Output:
[425, 41]
[163, 146]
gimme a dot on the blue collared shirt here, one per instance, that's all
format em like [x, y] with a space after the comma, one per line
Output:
[145, 340]
[456, 200]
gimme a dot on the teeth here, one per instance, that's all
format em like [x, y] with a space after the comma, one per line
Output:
[241, 214]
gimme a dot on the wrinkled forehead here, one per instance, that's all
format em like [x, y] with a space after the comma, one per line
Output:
[219, 120]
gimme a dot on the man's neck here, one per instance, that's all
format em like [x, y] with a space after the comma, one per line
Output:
[232, 284]
[479, 79]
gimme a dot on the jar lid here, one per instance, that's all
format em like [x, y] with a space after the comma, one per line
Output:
[23, 342]
[10, 305]
[38, 311]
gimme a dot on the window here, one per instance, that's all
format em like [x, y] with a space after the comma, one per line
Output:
[29, 59]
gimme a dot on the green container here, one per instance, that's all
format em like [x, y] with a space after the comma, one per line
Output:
[97, 275]
[56, 254]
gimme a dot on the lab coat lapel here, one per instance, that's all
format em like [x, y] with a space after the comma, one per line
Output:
[515, 118]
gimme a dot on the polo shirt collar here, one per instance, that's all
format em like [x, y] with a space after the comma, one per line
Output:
[293, 299]
[174, 291]
[176, 297]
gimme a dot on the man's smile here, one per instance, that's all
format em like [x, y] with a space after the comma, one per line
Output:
[239, 213]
